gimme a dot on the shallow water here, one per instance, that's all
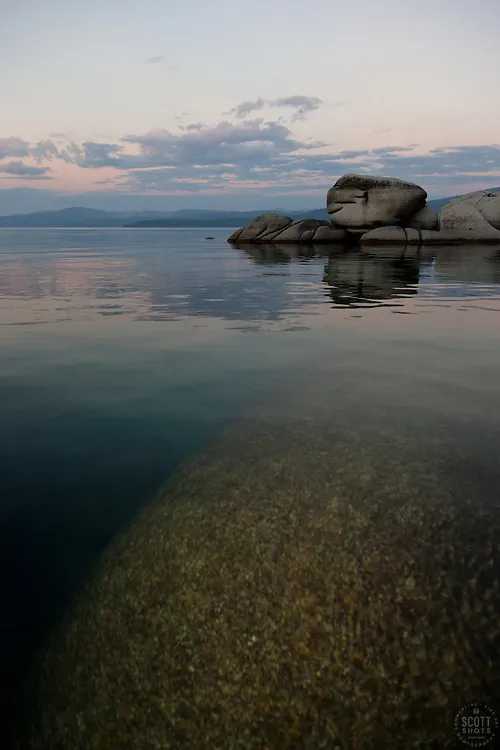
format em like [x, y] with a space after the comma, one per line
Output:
[126, 352]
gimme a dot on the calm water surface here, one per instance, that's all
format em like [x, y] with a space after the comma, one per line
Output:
[124, 352]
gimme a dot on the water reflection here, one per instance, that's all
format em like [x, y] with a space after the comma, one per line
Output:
[284, 252]
[353, 278]
[265, 255]
[360, 281]
[388, 275]
[478, 264]
[172, 277]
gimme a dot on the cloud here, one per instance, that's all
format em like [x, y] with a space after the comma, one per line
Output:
[303, 106]
[44, 150]
[264, 156]
[17, 168]
[17, 147]
[389, 150]
[162, 59]
[252, 140]
[93, 155]
[251, 143]
[13, 147]
[379, 131]
[255, 154]
[444, 161]
[246, 108]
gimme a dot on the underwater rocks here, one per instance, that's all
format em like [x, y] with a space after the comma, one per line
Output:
[301, 585]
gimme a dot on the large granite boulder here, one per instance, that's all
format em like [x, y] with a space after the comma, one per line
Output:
[396, 235]
[359, 203]
[426, 218]
[474, 217]
[486, 202]
[328, 233]
[277, 228]
[465, 215]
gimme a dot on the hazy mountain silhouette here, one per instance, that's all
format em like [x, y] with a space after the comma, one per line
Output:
[193, 218]
[76, 216]
[79, 216]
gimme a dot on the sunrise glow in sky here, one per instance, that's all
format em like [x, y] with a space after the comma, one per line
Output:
[120, 104]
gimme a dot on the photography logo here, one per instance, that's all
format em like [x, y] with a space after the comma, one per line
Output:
[476, 725]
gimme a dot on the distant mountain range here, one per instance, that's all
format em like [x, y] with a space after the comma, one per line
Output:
[229, 219]
[77, 217]
[89, 218]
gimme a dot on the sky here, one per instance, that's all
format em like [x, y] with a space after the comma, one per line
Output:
[161, 104]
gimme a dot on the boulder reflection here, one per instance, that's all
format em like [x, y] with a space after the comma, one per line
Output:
[360, 280]
[131, 275]
[277, 253]
[384, 275]
[353, 278]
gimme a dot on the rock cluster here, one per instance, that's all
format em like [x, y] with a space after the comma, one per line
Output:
[277, 228]
[380, 210]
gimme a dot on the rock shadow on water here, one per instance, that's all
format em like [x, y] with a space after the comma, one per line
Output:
[360, 280]
[353, 278]
[386, 273]
[381, 275]
[284, 252]
[304, 584]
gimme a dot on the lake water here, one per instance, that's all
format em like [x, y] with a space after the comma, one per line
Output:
[125, 352]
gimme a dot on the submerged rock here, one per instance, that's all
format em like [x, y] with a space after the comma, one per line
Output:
[301, 585]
